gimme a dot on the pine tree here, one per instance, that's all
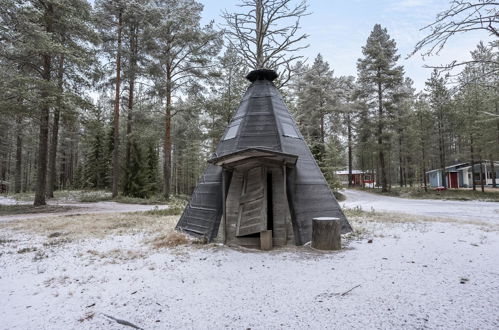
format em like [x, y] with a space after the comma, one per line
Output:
[379, 77]
[182, 50]
[422, 121]
[32, 42]
[402, 107]
[110, 21]
[347, 108]
[439, 99]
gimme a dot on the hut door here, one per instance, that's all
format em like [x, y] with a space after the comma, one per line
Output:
[252, 217]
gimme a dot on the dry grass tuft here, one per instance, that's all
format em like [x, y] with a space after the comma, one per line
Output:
[171, 239]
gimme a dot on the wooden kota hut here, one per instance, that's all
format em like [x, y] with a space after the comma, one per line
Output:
[262, 180]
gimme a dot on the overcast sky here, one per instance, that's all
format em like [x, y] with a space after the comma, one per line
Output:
[339, 28]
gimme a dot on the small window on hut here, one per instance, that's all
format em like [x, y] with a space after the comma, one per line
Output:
[289, 130]
[232, 131]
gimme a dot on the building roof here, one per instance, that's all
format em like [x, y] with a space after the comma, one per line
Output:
[461, 166]
[485, 162]
[455, 166]
[263, 122]
[346, 172]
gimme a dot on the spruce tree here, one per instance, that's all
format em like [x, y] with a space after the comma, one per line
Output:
[152, 168]
[316, 97]
[136, 183]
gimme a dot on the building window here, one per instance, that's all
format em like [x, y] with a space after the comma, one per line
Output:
[289, 130]
[232, 131]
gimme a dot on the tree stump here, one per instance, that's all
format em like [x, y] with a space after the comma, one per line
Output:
[326, 233]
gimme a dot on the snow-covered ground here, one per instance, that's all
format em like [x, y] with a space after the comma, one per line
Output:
[11, 201]
[77, 208]
[412, 276]
[459, 210]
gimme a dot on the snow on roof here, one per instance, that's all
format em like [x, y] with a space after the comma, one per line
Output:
[346, 172]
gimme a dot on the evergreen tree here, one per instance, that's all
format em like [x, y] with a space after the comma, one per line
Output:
[181, 51]
[33, 41]
[136, 183]
[110, 22]
[422, 122]
[402, 107]
[225, 94]
[379, 77]
[439, 100]
[152, 169]
[316, 97]
[348, 110]
[95, 164]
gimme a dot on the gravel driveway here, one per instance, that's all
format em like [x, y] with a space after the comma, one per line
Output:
[458, 210]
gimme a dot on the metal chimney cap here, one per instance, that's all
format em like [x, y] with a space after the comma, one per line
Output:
[262, 74]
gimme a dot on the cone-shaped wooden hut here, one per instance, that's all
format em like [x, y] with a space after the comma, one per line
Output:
[262, 179]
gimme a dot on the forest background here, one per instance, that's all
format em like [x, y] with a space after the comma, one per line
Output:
[133, 96]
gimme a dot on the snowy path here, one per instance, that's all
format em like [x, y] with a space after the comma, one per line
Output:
[412, 276]
[78, 208]
[458, 210]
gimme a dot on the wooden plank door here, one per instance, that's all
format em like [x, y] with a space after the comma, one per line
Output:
[252, 217]
[453, 180]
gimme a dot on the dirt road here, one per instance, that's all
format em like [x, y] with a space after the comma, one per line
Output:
[459, 210]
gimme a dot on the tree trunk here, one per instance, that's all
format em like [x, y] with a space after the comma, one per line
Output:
[41, 175]
[493, 172]
[481, 175]
[441, 150]
[131, 89]
[401, 162]
[52, 175]
[424, 177]
[116, 164]
[381, 152]
[494, 178]
[472, 162]
[167, 149]
[27, 165]
[326, 233]
[350, 161]
[259, 37]
[19, 154]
